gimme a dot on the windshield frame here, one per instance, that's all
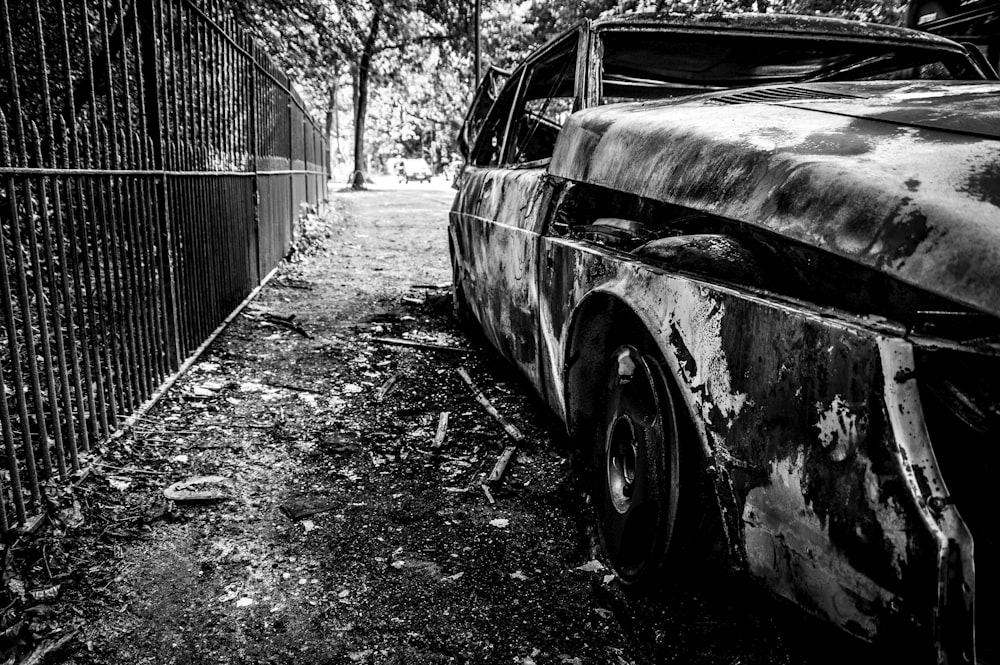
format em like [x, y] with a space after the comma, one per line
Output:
[949, 53]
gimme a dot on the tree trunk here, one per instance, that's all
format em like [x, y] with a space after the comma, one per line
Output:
[358, 177]
[333, 120]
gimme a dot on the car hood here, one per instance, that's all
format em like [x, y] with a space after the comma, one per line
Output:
[904, 178]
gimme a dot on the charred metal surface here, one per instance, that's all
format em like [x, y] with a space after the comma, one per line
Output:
[786, 248]
[913, 200]
[495, 219]
[788, 403]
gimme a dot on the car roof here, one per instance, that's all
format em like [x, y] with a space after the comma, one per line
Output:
[792, 24]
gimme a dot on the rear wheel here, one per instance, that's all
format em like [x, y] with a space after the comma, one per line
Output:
[637, 466]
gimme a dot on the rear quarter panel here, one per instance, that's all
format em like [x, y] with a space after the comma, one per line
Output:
[791, 408]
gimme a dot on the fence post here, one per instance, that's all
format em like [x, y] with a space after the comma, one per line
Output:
[252, 118]
[291, 168]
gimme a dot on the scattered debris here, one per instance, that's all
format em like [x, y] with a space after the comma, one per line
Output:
[300, 389]
[286, 322]
[412, 301]
[48, 648]
[244, 602]
[118, 483]
[442, 429]
[405, 562]
[508, 427]
[387, 387]
[500, 522]
[44, 594]
[296, 510]
[200, 488]
[395, 341]
[155, 510]
[497, 473]
[34, 523]
[489, 495]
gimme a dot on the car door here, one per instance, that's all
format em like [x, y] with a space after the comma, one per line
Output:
[486, 95]
[504, 197]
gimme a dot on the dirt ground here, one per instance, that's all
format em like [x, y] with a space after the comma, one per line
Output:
[346, 535]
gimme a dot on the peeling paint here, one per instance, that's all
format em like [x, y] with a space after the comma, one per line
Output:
[838, 427]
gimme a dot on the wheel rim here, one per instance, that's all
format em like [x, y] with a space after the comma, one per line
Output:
[639, 464]
[621, 457]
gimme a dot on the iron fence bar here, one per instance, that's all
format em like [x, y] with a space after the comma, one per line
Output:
[10, 328]
[81, 375]
[106, 374]
[40, 392]
[104, 236]
[82, 372]
[11, 324]
[65, 429]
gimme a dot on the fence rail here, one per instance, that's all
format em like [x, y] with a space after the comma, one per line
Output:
[153, 160]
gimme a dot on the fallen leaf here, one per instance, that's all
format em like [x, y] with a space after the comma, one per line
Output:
[592, 566]
[200, 488]
[120, 484]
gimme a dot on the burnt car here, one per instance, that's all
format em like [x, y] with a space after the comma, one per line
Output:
[752, 261]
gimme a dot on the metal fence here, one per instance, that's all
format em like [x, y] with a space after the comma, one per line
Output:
[153, 161]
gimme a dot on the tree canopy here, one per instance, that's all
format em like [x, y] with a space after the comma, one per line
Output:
[401, 70]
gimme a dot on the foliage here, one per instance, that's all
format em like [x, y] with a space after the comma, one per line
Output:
[419, 70]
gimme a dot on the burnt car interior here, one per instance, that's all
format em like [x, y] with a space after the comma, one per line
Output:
[654, 65]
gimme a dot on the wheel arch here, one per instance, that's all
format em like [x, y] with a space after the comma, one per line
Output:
[599, 319]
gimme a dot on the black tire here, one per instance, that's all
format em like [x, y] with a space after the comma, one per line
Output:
[637, 466]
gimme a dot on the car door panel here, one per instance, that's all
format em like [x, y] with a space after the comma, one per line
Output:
[498, 217]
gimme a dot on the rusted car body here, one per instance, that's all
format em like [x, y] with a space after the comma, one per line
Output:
[767, 284]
